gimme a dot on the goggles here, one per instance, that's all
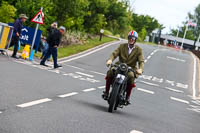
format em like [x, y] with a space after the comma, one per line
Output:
[132, 38]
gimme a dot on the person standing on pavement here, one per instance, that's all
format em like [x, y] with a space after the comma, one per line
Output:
[53, 41]
[18, 25]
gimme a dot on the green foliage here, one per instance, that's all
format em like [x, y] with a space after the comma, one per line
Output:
[142, 34]
[7, 12]
[141, 21]
[193, 32]
[87, 15]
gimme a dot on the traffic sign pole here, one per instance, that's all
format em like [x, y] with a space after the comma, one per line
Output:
[35, 35]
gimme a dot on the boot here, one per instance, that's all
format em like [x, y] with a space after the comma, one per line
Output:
[106, 92]
[128, 94]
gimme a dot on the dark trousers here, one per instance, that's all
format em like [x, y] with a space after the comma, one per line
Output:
[14, 43]
[51, 51]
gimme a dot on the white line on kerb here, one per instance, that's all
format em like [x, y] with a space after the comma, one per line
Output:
[91, 52]
[101, 87]
[135, 131]
[87, 90]
[91, 76]
[34, 103]
[194, 77]
[173, 90]
[148, 83]
[68, 95]
[147, 91]
[179, 100]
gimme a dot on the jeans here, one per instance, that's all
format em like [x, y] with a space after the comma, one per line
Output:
[51, 51]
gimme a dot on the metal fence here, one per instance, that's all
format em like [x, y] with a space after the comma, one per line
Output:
[6, 33]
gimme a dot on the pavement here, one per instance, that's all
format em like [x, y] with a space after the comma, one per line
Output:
[37, 99]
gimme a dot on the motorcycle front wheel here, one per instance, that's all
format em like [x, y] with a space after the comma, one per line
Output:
[113, 97]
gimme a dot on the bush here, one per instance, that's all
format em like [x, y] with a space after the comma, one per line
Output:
[107, 32]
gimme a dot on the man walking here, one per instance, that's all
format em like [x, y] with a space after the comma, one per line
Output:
[53, 41]
[16, 33]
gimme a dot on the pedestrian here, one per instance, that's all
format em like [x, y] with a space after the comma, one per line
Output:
[18, 25]
[44, 48]
[53, 40]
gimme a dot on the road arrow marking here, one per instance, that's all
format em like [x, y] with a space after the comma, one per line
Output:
[179, 100]
[84, 74]
[148, 83]
[68, 95]
[34, 103]
[147, 91]
[87, 90]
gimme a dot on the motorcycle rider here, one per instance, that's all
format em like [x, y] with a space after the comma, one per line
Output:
[130, 54]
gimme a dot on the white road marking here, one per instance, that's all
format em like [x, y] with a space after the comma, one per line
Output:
[0, 112]
[34, 103]
[145, 61]
[68, 95]
[147, 91]
[152, 53]
[87, 90]
[148, 83]
[91, 76]
[98, 73]
[173, 90]
[179, 100]
[74, 67]
[194, 77]
[148, 57]
[135, 131]
[88, 53]
[101, 87]
[173, 58]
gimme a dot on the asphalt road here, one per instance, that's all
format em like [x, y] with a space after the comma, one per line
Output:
[36, 99]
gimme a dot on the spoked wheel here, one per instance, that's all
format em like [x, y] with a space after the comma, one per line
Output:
[113, 98]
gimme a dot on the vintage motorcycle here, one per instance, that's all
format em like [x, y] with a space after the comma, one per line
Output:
[118, 94]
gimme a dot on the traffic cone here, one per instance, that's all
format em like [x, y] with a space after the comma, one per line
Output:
[26, 51]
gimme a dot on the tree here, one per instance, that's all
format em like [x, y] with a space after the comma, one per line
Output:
[7, 12]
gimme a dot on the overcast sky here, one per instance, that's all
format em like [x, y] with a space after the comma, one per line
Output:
[171, 13]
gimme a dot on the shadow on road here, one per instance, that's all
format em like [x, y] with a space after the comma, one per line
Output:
[93, 105]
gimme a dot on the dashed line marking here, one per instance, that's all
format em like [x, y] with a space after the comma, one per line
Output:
[173, 58]
[87, 90]
[152, 53]
[149, 83]
[101, 87]
[84, 74]
[68, 95]
[34, 103]
[147, 91]
[145, 61]
[148, 57]
[74, 67]
[174, 90]
[0, 112]
[179, 100]
[98, 73]
[135, 131]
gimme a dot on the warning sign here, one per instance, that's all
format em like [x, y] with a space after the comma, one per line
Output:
[38, 18]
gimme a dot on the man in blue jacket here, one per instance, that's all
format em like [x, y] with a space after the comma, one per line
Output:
[18, 25]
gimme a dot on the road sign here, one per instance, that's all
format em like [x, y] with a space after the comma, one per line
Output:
[38, 18]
